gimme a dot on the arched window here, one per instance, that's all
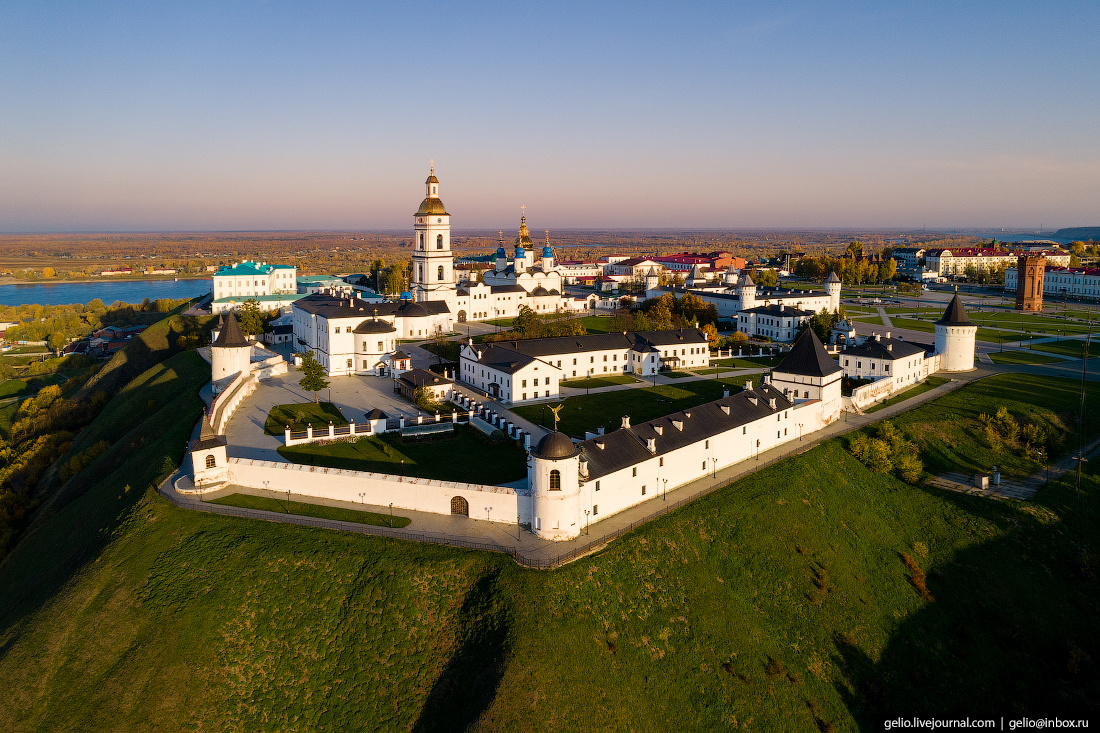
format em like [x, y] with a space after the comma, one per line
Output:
[420, 273]
[210, 463]
[439, 273]
[439, 241]
[555, 480]
[421, 240]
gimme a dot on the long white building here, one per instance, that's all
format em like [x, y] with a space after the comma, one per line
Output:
[531, 369]
[1071, 282]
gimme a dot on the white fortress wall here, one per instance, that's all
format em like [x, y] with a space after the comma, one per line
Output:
[379, 489]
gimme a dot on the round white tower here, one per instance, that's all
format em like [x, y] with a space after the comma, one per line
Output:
[652, 280]
[553, 478]
[833, 285]
[747, 292]
[231, 353]
[955, 334]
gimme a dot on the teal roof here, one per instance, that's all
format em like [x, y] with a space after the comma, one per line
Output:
[246, 268]
[321, 279]
[260, 298]
[283, 267]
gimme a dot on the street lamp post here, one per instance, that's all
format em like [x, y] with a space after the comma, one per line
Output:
[391, 515]
[362, 498]
[586, 522]
[664, 494]
[799, 432]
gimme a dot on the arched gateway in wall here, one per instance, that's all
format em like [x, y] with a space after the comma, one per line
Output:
[460, 506]
[462, 316]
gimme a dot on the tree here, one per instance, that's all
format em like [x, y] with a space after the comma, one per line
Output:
[425, 400]
[712, 335]
[58, 341]
[527, 324]
[314, 380]
[250, 319]
[855, 250]
[48, 272]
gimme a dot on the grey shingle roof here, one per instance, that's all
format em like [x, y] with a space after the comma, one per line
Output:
[231, 335]
[808, 358]
[329, 307]
[955, 315]
[627, 446]
[892, 349]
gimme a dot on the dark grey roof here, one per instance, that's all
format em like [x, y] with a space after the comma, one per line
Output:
[231, 335]
[207, 437]
[778, 310]
[422, 377]
[886, 349]
[327, 306]
[955, 315]
[377, 414]
[539, 291]
[641, 341]
[503, 360]
[747, 281]
[627, 446]
[398, 355]
[284, 328]
[832, 278]
[555, 445]
[808, 358]
[506, 289]
[374, 326]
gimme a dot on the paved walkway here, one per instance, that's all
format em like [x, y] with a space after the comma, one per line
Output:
[1022, 489]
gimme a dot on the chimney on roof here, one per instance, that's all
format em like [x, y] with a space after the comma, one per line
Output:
[748, 384]
[771, 402]
[659, 429]
[678, 424]
[651, 445]
[626, 422]
[725, 393]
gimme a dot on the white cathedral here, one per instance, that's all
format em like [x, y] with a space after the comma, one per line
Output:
[523, 281]
[353, 336]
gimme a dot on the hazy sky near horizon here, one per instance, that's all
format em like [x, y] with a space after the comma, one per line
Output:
[249, 114]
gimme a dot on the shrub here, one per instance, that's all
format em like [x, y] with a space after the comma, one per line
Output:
[877, 456]
[909, 467]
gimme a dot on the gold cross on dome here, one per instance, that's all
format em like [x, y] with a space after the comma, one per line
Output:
[523, 210]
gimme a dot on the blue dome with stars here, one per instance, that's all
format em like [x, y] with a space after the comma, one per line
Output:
[547, 251]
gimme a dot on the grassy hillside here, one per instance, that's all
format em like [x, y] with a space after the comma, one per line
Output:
[782, 602]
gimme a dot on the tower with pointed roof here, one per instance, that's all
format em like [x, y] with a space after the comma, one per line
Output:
[807, 372]
[696, 277]
[747, 293]
[433, 262]
[833, 286]
[231, 352]
[955, 334]
[522, 245]
[209, 465]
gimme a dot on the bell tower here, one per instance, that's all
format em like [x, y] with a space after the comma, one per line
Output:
[433, 275]
[1029, 282]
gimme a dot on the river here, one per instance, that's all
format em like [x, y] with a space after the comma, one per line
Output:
[128, 291]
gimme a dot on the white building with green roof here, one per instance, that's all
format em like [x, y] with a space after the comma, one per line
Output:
[248, 279]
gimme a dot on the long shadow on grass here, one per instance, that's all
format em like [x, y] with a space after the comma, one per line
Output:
[469, 682]
[1012, 627]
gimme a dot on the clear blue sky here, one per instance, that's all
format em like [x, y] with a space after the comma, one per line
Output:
[301, 115]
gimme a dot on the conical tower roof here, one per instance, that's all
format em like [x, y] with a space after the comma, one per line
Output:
[231, 335]
[955, 315]
[832, 278]
[808, 358]
[747, 281]
[207, 437]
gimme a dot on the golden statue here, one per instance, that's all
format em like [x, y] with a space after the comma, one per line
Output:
[556, 410]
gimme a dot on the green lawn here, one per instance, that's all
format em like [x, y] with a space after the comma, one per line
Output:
[746, 362]
[300, 414]
[868, 319]
[13, 388]
[305, 509]
[596, 324]
[677, 375]
[1074, 348]
[983, 334]
[588, 412]
[1022, 357]
[466, 456]
[595, 382]
[780, 603]
[928, 384]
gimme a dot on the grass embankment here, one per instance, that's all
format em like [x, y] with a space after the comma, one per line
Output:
[300, 414]
[783, 602]
[466, 456]
[929, 383]
[589, 412]
[1022, 357]
[318, 511]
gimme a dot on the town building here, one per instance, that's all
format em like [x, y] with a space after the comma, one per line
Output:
[531, 369]
[246, 279]
[773, 322]
[953, 262]
[1082, 283]
[882, 357]
[437, 385]
[1030, 273]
